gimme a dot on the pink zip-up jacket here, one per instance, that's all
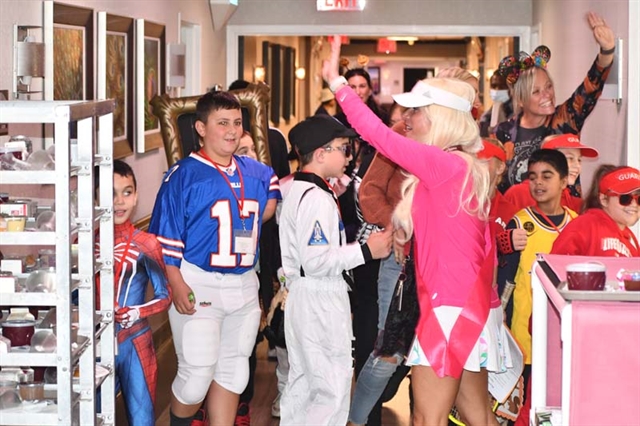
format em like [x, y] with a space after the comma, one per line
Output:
[451, 244]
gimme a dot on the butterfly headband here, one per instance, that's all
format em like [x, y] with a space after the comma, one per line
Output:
[510, 68]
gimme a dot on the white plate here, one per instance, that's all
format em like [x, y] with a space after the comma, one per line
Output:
[612, 292]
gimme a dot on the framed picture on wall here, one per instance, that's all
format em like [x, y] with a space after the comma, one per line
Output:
[119, 81]
[4, 127]
[72, 52]
[150, 75]
[374, 73]
[287, 82]
[275, 81]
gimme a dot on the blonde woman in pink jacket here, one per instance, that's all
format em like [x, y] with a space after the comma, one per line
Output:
[459, 336]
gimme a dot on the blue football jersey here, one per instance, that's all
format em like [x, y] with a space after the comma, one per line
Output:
[197, 213]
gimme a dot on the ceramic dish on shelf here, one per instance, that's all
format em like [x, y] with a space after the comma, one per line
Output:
[612, 292]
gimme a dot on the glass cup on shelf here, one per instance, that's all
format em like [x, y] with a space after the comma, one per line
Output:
[15, 223]
[32, 391]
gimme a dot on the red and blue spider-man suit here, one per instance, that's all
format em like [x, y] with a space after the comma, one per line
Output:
[137, 262]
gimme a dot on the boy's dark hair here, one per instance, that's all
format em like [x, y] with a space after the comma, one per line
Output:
[119, 167]
[308, 158]
[123, 169]
[214, 101]
[592, 199]
[554, 158]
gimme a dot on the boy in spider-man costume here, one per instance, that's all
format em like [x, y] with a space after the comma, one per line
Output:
[138, 261]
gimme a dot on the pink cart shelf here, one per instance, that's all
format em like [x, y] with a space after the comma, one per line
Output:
[585, 354]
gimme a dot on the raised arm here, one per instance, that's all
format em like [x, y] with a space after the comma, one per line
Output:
[428, 163]
[575, 110]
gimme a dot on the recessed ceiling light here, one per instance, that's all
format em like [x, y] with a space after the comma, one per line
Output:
[403, 38]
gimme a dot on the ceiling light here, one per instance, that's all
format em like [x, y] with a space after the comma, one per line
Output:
[403, 38]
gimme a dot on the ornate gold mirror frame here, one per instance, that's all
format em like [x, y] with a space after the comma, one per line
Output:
[255, 98]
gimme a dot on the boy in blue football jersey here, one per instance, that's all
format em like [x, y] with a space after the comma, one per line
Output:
[207, 216]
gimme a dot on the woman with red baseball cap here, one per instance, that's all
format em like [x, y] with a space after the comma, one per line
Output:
[612, 206]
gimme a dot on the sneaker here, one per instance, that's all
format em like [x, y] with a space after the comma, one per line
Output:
[200, 418]
[243, 415]
[275, 407]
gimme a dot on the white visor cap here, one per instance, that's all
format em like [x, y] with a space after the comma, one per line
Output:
[424, 94]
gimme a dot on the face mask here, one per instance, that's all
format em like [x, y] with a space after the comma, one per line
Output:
[499, 95]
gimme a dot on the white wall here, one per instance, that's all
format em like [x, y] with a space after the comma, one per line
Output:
[149, 167]
[386, 12]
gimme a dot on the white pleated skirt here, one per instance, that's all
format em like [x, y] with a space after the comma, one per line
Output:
[490, 351]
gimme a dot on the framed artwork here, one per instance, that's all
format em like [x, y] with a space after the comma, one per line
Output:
[275, 81]
[150, 74]
[288, 80]
[119, 81]
[374, 73]
[4, 127]
[72, 52]
[266, 60]
[177, 118]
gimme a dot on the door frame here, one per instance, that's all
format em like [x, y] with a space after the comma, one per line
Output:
[233, 31]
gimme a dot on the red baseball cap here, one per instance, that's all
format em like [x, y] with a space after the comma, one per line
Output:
[568, 140]
[621, 181]
[490, 150]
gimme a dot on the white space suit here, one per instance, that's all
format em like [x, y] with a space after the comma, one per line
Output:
[318, 316]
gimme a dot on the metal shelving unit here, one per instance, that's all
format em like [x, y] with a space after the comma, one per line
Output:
[76, 403]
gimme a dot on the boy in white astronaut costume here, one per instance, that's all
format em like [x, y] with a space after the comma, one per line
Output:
[314, 256]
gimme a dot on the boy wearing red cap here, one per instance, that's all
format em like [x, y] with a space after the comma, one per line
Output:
[502, 210]
[574, 151]
[612, 207]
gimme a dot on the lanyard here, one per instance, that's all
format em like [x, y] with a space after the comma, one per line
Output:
[118, 269]
[546, 218]
[224, 175]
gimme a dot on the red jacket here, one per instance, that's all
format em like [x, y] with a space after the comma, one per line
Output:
[520, 196]
[502, 211]
[596, 234]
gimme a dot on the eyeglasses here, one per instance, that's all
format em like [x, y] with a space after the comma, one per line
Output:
[346, 149]
[626, 199]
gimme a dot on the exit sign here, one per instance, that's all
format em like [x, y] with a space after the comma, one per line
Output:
[341, 5]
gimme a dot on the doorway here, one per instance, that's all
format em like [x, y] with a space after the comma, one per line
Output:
[410, 76]
[190, 36]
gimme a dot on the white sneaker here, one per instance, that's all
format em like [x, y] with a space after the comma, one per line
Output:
[275, 407]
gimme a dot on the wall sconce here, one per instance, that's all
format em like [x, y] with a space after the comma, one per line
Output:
[28, 60]
[301, 73]
[259, 73]
[613, 86]
[489, 73]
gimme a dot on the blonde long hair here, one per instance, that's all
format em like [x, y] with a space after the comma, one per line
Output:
[456, 131]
